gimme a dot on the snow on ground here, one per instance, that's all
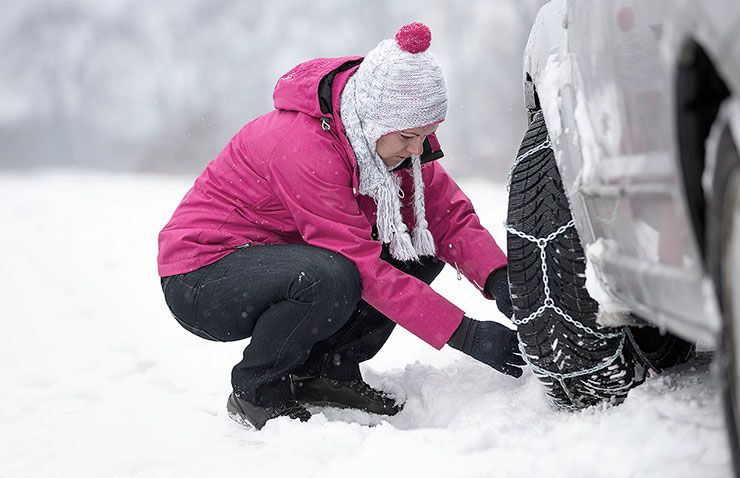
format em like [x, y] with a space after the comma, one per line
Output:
[98, 380]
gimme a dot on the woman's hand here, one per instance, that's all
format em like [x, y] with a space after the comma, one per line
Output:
[497, 285]
[489, 342]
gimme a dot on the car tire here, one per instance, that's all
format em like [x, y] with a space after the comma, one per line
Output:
[579, 362]
[723, 252]
[662, 349]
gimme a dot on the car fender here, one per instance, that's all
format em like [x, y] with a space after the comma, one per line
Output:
[549, 70]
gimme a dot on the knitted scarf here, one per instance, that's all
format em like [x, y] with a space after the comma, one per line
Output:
[383, 186]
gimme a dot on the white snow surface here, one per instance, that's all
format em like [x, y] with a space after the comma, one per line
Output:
[97, 378]
[612, 313]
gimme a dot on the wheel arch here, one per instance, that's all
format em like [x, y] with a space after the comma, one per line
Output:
[699, 92]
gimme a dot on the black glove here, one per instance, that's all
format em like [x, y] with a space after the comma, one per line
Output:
[497, 285]
[489, 342]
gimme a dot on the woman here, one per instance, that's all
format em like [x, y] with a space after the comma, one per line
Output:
[297, 235]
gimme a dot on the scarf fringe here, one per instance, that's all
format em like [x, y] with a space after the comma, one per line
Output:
[402, 248]
[423, 242]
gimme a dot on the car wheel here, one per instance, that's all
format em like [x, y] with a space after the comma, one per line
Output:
[724, 265]
[579, 362]
[662, 349]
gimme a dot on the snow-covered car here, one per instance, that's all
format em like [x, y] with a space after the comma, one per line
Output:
[624, 200]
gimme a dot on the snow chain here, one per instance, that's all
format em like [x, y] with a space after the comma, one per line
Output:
[549, 303]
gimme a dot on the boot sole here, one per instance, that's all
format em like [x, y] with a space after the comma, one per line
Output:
[238, 419]
[346, 407]
[235, 413]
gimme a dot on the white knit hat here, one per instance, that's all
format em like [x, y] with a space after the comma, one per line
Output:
[399, 85]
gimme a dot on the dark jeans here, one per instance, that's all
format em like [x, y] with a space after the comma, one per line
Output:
[300, 305]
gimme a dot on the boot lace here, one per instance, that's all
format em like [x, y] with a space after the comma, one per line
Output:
[364, 389]
[293, 409]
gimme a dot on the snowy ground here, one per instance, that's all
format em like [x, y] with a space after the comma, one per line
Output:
[98, 380]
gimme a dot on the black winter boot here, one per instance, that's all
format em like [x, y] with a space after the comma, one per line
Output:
[251, 415]
[355, 393]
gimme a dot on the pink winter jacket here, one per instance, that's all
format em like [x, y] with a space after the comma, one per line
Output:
[286, 179]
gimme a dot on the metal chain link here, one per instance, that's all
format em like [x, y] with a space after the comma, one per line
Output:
[585, 328]
[563, 376]
[519, 159]
[549, 303]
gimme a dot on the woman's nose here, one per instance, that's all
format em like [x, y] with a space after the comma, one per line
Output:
[416, 147]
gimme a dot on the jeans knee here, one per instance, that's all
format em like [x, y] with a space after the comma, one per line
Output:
[331, 279]
[346, 278]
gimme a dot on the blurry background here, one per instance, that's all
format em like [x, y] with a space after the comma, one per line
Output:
[97, 378]
[141, 86]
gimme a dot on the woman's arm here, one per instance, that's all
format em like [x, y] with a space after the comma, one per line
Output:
[459, 237]
[314, 184]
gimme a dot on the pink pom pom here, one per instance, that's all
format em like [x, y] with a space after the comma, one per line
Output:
[414, 37]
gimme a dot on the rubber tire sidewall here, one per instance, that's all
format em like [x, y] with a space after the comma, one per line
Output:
[727, 166]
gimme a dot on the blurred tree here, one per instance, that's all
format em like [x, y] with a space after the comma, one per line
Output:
[161, 86]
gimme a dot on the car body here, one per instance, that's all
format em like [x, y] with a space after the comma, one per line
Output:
[640, 101]
[605, 75]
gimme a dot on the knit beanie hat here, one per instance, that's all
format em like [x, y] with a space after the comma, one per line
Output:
[399, 85]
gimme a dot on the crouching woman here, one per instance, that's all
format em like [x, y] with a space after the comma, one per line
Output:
[320, 226]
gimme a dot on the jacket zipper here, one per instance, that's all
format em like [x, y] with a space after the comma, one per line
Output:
[457, 268]
[459, 274]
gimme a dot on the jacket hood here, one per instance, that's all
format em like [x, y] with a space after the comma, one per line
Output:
[301, 88]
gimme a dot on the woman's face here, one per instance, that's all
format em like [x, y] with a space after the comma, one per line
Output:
[393, 148]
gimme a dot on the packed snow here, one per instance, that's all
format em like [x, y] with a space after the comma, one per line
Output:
[612, 313]
[99, 380]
